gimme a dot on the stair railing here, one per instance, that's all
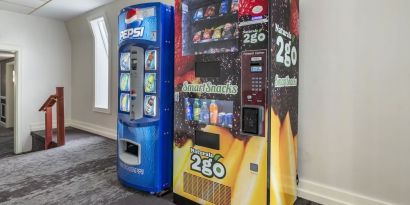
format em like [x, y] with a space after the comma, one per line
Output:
[47, 107]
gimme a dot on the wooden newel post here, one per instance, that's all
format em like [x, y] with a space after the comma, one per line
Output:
[47, 107]
[49, 127]
[60, 116]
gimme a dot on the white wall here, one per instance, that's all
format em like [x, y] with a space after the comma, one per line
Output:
[82, 45]
[45, 63]
[355, 101]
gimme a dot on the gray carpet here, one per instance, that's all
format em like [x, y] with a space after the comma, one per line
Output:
[81, 172]
[6, 142]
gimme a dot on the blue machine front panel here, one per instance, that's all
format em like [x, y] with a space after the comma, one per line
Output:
[145, 96]
[138, 23]
[142, 176]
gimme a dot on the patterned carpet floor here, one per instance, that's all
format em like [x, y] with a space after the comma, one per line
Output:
[6, 142]
[81, 172]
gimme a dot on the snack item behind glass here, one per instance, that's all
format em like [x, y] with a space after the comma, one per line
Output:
[228, 120]
[207, 34]
[217, 33]
[125, 102]
[221, 119]
[151, 60]
[197, 109]
[210, 11]
[189, 115]
[150, 105]
[228, 31]
[234, 6]
[197, 37]
[125, 61]
[199, 14]
[150, 83]
[224, 7]
[204, 114]
[125, 82]
[213, 112]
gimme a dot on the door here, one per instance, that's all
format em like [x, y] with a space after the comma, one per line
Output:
[10, 94]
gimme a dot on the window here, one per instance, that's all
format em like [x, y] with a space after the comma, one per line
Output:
[101, 65]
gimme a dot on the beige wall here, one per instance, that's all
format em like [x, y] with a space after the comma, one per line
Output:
[83, 68]
[355, 101]
[45, 63]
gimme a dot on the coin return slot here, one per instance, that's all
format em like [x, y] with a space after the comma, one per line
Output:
[129, 152]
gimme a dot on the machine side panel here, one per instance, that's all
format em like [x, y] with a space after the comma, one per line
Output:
[284, 75]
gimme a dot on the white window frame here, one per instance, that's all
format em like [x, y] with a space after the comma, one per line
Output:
[110, 50]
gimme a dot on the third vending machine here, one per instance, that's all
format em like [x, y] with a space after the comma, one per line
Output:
[236, 102]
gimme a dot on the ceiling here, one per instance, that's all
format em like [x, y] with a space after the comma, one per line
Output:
[57, 9]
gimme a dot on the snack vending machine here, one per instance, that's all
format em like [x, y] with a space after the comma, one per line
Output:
[236, 102]
[145, 97]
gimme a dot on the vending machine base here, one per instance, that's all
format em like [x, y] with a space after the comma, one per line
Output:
[183, 201]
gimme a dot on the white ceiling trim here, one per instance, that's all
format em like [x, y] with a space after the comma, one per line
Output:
[39, 7]
[56, 9]
[22, 6]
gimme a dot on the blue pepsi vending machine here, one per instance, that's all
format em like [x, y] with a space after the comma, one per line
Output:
[145, 97]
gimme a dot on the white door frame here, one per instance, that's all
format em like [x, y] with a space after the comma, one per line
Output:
[18, 145]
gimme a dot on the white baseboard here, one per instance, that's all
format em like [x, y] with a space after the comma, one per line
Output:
[41, 125]
[327, 195]
[93, 128]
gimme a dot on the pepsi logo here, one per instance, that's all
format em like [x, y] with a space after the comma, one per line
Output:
[134, 15]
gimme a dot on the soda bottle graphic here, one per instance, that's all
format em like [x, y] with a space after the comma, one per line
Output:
[213, 109]
[204, 115]
[197, 110]
[188, 110]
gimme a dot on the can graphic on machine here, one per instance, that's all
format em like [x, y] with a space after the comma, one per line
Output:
[189, 115]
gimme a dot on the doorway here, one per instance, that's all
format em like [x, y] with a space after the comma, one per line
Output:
[10, 96]
[7, 80]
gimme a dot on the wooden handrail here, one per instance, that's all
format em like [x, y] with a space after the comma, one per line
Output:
[49, 102]
[47, 108]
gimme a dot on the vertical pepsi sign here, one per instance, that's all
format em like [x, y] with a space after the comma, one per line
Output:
[145, 97]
